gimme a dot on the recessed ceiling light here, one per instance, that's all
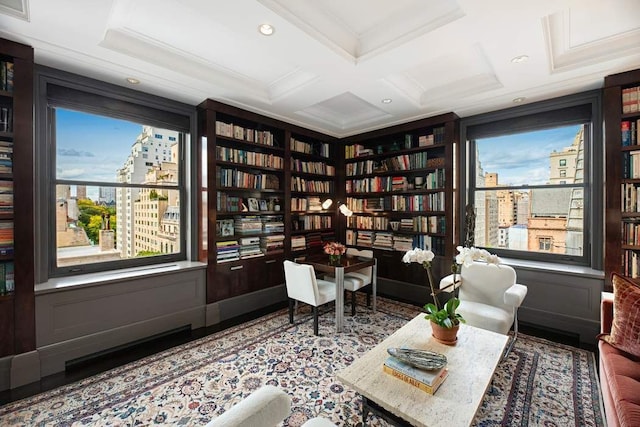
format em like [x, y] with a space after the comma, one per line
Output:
[266, 29]
[133, 81]
[387, 101]
[519, 59]
[519, 99]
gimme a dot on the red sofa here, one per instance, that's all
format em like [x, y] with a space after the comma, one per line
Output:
[619, 376]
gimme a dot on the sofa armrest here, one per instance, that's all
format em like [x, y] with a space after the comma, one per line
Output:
[515, 295]
[606, 312]
[266, 406]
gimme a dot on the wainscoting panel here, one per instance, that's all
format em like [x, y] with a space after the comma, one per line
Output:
[80, 321]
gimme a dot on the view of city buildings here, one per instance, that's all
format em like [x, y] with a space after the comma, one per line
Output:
[538, 219]
[146, 221]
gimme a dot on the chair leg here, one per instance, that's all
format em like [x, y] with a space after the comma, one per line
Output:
[515, 335]
[353, 303]
[315, 321]
[291, 304]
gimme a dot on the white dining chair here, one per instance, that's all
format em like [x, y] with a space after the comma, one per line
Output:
[303, 286]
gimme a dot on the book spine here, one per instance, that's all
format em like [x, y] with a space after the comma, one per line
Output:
[409, 380]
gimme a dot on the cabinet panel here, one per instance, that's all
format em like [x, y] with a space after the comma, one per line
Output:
[6, 323]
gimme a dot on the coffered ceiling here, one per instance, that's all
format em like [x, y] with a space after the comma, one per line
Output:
[330, 63]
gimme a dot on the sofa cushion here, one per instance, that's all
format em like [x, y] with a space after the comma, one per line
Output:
[625, 331]
[621, 372]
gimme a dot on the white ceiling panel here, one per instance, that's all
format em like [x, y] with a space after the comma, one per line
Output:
[330, 63]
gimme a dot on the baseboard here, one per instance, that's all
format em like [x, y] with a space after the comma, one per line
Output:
[586, 329]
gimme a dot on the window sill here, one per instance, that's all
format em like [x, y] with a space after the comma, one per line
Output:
[60, 284]
[550, 267]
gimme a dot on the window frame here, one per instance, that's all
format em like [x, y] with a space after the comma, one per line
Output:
[536, 116]
[59, 89]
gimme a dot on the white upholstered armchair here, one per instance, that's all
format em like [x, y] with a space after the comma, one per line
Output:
[489, 296]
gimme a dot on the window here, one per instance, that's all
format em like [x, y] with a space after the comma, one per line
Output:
[525, 205]
[544, 244]
[102, 186]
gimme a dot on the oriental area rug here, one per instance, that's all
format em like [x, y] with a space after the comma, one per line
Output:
[540, 383]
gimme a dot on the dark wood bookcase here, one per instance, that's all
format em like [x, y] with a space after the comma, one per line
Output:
[17, 307]
[241, 144]
[622, 204]
[400, 184]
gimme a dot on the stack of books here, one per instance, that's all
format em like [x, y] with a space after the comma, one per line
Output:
[250, 247]
[248, 224]
[6, 196]
[273, 244]
[6, 156]
[227, 250]
[402, 243]
[272, 224]
[365, 238]
[314, 240]
[298, 243]
[428, 381]
[383, 241]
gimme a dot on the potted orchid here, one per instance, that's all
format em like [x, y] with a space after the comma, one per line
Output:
[444, 321]
[335, 250]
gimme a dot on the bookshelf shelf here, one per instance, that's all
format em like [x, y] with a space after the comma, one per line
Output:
[622, 205]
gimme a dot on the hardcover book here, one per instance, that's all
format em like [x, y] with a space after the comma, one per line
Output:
[428, 381]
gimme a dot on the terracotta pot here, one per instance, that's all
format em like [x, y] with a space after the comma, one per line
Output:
[446, 336]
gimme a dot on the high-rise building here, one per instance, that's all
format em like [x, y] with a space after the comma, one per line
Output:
[107, 195]
[152, 147]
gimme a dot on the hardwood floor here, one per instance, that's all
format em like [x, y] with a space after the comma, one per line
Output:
[85, 368]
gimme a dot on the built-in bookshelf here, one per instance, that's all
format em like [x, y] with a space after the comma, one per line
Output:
[246, 191]
[17, 303]
[313, 181]
[622, 142]
[399, 185]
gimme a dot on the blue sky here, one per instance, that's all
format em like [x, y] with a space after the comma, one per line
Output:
[524, 158]
[91, 147]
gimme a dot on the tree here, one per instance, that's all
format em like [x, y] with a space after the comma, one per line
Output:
[93, 228]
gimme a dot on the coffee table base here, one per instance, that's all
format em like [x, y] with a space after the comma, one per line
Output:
[369, 406]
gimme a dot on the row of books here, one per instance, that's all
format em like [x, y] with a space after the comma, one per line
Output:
[316, 148]
[249, 247]
[377, 184]
[311, 222]
[401, 162]
[631, 164]
[7, 282]
[312, 241]
[6, 237]
[392, 241]
[631, 100]
[630, 197]
[399, 203]
[631, 231]
[241, 179]
[6, 119]
[250, 158]
[630, 131]
[631, 263]
[6, 196]
[303, 204]
[252, 224]
[436, 137]
[231, 130]
[312, 167]
[368, 222]
[311, 185]
[6, 76]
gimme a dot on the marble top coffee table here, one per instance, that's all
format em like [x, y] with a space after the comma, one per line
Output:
[471, 363]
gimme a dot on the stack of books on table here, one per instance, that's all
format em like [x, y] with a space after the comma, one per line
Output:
[250, 247]
[227, 250]
[428, 381]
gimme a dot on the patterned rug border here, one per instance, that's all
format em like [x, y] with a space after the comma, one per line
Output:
[224, 346]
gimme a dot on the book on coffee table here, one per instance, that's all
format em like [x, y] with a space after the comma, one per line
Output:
[428, 381]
